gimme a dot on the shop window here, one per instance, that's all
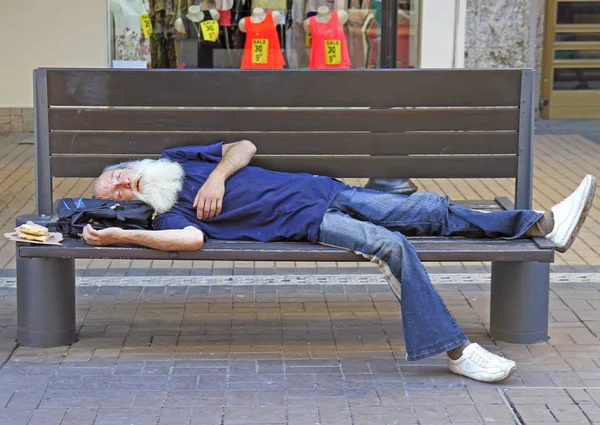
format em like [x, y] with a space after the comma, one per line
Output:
[256, 34]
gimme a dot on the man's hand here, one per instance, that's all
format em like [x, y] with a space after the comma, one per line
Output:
[209, 199]
[104, 237]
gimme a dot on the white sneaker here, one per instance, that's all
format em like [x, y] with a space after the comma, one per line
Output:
[479, 364]
[570, 214]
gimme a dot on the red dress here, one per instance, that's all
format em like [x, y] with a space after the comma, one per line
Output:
[329, 48]
[262, 49]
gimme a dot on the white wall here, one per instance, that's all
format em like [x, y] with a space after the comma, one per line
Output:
[47, 33]
[443, 33]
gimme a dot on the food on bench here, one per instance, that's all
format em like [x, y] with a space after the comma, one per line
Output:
[32, 229]
[34, 233]
[41, 238]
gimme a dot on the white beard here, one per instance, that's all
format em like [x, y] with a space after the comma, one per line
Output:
[160, 182]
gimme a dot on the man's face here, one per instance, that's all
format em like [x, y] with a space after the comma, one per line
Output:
[117, 185]
[155, 182]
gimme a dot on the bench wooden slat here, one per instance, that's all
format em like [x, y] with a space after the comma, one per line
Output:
[429, 249]
[369, 88]
[337, 166]
[397, 120]
[291, 143]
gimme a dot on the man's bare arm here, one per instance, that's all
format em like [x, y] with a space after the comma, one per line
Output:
[235, 157]
[209, 199]
[187, 239]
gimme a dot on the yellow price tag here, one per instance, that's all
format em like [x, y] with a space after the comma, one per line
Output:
[333, 52]
[146, 25]
[260, 50]
[210, 30]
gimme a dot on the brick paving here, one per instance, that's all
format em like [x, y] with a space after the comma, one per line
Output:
[295, 354]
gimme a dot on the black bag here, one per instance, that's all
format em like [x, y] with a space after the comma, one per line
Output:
[76, 213]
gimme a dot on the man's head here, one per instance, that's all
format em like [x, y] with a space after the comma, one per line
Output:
[155, 182]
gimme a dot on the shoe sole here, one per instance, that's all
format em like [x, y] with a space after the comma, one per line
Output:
[586, 209]
[501, 378]
[506, 376]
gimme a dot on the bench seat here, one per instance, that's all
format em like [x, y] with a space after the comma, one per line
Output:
[430, 248]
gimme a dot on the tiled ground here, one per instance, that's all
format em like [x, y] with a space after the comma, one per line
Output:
[333, 354]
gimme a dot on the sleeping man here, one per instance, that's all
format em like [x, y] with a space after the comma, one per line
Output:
[211, 192]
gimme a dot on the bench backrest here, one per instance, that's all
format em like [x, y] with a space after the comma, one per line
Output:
[350, 123]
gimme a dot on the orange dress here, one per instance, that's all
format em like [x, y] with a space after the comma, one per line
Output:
[262, 49]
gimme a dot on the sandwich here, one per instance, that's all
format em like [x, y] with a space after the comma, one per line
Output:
[33, 232]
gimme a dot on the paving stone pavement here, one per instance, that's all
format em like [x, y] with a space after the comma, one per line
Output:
[290, 354]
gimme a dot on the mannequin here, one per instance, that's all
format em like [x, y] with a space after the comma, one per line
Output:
[203, 24]
[329, 49]
[280, 6]
[262, 49]
[278, 18]
[272, 6]
[130, 43]
[258, 15]
[195, 14]
[324, 14]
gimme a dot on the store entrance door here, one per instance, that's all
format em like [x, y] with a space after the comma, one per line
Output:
[571, 60]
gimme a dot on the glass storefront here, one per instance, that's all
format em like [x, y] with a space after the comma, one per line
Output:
[258, 34]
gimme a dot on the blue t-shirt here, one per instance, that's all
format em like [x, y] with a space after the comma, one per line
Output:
[259, 205]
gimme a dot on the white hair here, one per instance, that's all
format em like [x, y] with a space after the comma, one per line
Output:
[160, 181]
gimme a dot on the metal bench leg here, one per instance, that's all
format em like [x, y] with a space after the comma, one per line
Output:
[519, 301]
[46, 301]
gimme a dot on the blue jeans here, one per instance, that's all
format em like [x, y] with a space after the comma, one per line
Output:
[374, 224]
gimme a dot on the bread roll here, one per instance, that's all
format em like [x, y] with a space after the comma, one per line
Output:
[30, 228]
[42, 238]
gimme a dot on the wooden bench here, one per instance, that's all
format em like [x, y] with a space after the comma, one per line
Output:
[352, 124]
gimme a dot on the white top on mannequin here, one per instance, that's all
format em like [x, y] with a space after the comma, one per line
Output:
[196, 15]
[324, 14]
[258, 15]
